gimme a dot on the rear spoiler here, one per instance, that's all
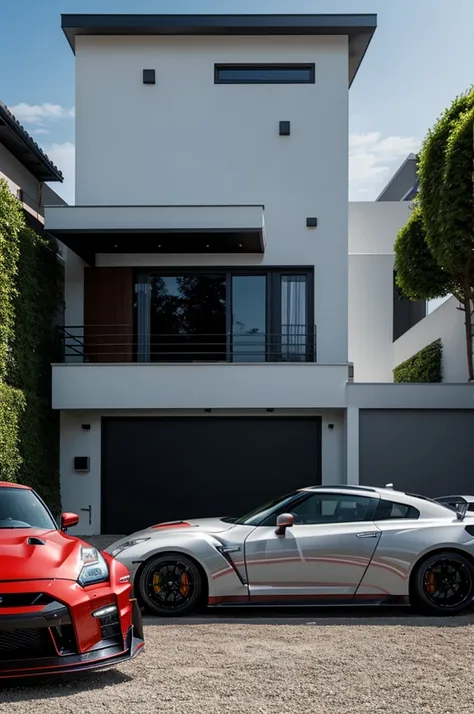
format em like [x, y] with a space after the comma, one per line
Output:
[457, 503]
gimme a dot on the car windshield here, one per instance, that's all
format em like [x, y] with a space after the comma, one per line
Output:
[262, 512]
[21, 508]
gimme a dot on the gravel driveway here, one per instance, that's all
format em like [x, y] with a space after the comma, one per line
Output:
[248, 664]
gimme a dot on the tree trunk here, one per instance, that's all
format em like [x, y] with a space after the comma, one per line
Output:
[467, 302]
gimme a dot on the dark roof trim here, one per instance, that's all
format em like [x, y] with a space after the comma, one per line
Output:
[359, 28]
[403, 176]
[25, 149]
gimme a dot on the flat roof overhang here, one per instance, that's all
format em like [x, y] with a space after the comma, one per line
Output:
[90, 230]
[359, 28]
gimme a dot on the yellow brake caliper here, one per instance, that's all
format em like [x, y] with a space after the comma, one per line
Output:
[156, 582]
[184, 584]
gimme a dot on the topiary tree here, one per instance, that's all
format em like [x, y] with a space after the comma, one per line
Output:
[434, 252]
[419, 275]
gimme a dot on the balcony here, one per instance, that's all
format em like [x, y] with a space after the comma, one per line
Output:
[118, 343]
[107, 368]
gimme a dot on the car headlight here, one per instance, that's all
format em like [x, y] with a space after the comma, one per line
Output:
[126, 545]
[94, 568]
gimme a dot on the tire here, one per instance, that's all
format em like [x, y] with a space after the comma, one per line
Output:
[443, 584]
[170, 585]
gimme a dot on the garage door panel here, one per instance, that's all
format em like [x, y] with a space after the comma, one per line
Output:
[424, 451]
[167, 469]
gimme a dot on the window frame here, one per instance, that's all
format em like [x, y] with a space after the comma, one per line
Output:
[396, 518]
[305, 496]
[310, 66]
[273, 276]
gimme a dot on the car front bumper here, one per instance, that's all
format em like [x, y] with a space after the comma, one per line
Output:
[46, 641]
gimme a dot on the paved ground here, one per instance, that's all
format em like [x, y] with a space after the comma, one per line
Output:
[244, 663]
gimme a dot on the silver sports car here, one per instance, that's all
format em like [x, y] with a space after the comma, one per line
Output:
[319, 545]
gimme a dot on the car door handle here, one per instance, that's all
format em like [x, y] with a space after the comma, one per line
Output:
[369, 534]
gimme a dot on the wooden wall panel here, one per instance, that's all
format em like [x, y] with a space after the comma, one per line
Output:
[108, 314]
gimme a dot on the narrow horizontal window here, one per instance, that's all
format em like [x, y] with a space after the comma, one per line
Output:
[264, 73]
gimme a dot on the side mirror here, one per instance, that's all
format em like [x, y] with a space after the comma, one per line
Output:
[284, 521]
[68, 520]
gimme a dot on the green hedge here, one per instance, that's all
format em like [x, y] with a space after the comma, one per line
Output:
[424, 366]
[12, 405]
[30, 294]
[11, 223]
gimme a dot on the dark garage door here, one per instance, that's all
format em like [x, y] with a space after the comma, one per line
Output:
[425, 451]
[168, 469]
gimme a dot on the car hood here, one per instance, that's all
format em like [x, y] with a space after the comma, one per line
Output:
[210, 525]
[36, 554]
[191, 526]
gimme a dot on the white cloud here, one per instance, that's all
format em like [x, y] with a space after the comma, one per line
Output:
[373, 159]
[40, 132]
[63, 155]
[39, 113]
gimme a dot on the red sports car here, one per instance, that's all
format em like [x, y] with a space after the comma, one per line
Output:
[64, 605]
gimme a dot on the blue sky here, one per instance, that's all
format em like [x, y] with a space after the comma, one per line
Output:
[421, 57]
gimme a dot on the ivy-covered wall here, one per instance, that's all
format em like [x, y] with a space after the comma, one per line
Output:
[30, 295]
[424, 366]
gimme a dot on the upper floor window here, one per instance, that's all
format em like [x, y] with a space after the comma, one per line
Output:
[264, 74]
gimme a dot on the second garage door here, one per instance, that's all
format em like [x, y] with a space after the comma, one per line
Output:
[168, 469]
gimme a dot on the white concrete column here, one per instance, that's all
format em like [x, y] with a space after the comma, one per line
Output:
[81, 491]
[352, 445]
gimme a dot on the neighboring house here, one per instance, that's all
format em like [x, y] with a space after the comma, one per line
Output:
[403, 186]
[27, 169]
[378, 314]
[206, 360]
[396, 327]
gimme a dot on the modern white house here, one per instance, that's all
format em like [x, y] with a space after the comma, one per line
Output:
[223, 343]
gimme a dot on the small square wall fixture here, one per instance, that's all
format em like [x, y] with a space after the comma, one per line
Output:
[81, 463]
[311, 222]
[285, 128]
[149, 76]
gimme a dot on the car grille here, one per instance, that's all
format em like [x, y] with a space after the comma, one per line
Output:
[110, 630]
[25, 644]
[24, 599]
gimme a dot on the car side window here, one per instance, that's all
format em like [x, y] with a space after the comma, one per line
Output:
[388, 510]
[328, 508]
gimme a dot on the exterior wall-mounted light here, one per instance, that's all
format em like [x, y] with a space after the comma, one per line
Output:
[81, 463]
[149, 76]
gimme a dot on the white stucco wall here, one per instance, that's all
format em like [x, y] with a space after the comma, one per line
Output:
[201, 385]
[81, 490]
[189, 141]
[18, 177]
[445, 323]
[36, 194]
[373, 228]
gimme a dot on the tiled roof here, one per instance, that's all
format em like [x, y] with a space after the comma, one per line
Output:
[22, 145]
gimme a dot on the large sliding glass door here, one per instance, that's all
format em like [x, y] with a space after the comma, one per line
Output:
[249, 318]
[225, 315]
[187, 318]
[294, 318]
